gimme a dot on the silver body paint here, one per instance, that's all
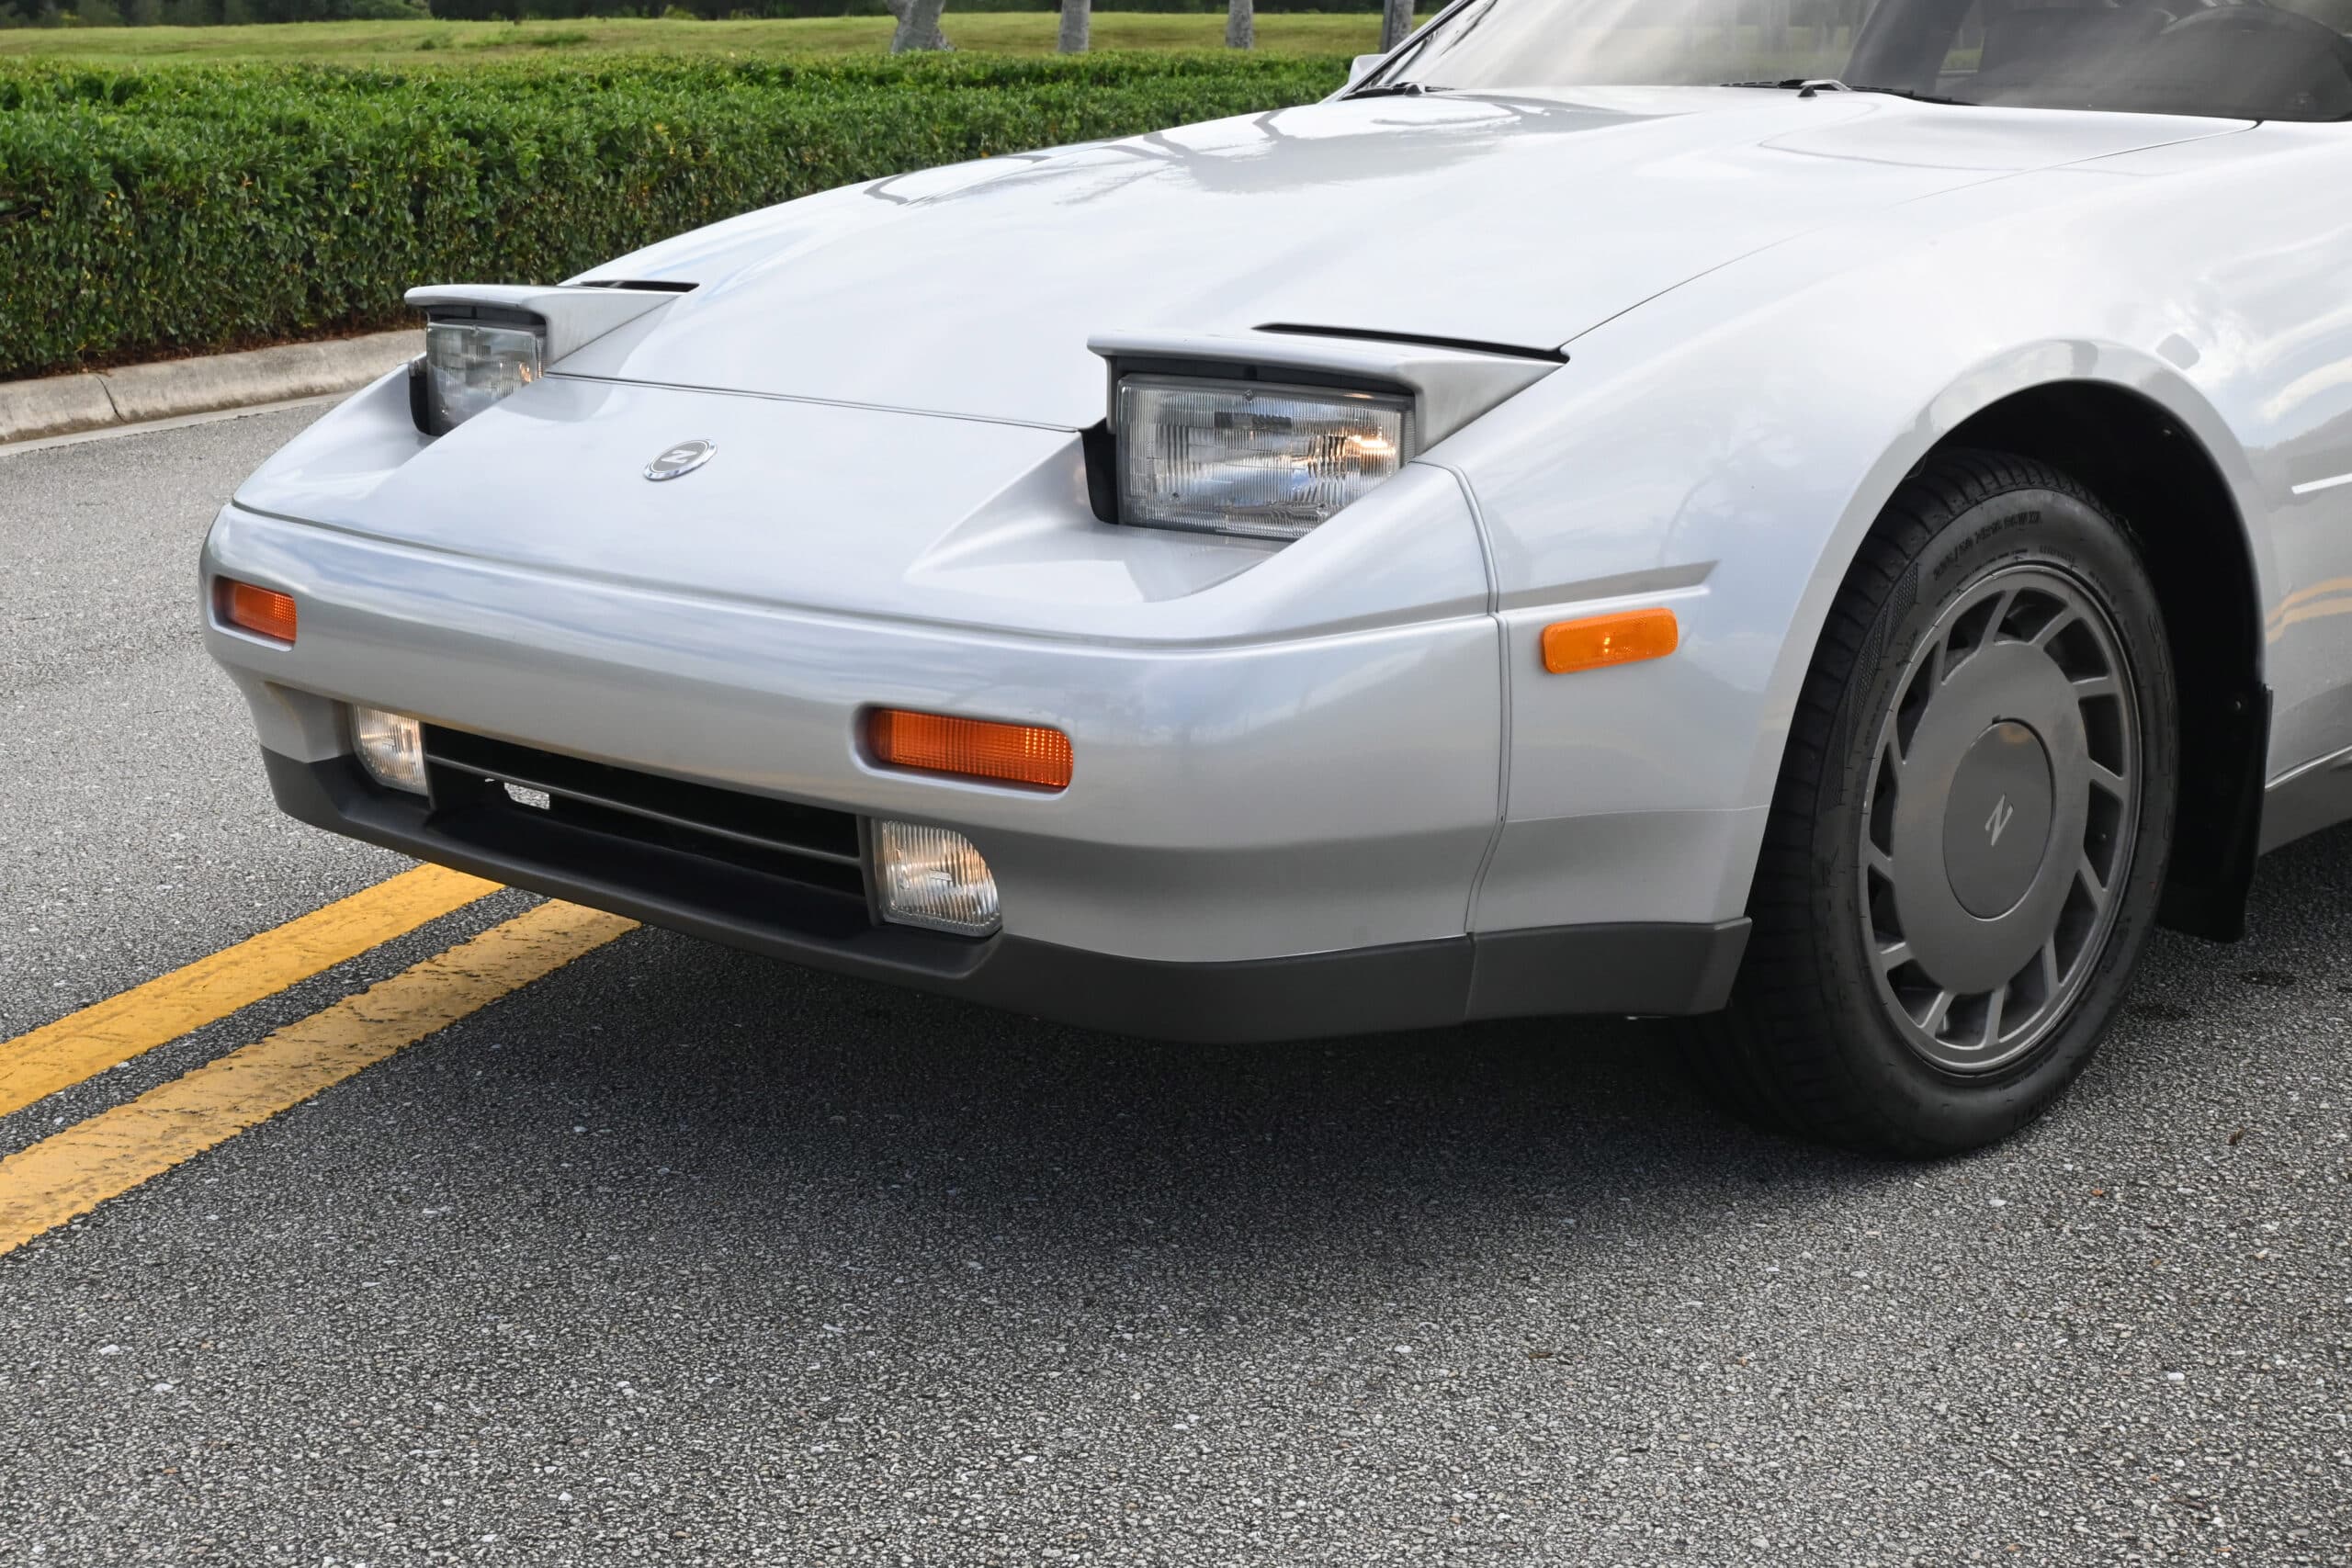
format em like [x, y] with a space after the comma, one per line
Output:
[1771, 307]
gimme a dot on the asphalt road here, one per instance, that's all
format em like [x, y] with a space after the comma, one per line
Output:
[677, 1256]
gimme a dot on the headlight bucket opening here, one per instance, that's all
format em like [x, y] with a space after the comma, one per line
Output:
[1234, 454]
[474, 356]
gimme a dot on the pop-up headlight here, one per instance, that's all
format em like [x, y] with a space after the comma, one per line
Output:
[473, 362]
[1259, 460]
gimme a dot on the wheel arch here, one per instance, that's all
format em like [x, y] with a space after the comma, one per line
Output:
[2155, 452]
[2137, 457]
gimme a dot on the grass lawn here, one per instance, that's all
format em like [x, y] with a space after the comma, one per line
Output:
[442, 43]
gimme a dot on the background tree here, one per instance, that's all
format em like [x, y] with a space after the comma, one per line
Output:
[1396, 21]
[1240, 24]
[918, 25]
[1077, 17]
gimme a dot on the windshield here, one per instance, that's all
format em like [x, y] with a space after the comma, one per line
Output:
[2260, 59]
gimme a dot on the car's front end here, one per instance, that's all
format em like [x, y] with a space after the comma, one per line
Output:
[1417, 558]
[882, 691]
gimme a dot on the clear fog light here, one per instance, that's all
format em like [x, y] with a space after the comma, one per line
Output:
[933, 878]
[391, 748]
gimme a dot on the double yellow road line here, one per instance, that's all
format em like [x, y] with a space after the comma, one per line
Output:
[73, 1171]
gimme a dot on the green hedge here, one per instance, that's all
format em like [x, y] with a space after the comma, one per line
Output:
[147, 212]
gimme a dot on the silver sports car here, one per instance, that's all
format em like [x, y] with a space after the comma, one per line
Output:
[1837, 520]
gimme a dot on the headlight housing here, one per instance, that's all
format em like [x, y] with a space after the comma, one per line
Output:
[1259, 460]
[471, 363]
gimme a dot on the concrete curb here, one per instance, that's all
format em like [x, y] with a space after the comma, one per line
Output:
[63, 405]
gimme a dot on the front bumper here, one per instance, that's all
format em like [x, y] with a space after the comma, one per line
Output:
[1270, 833]
[1655, 968]
[1229, 801]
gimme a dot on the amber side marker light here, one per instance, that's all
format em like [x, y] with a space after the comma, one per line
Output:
[263, 612]
[970, 747]
[1625, 637]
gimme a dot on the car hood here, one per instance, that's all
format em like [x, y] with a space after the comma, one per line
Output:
[1526, 222]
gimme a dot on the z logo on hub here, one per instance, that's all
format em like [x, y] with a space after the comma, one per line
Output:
[1999, 823]
[683, 458]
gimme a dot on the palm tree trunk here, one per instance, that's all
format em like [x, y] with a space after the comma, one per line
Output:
[1077, 17]
[1240, 24]
[918, 25]
[1396, 21]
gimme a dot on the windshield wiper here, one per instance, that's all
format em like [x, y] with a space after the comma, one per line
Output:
[1915, 97]
[1808, 86]
[1392, 90]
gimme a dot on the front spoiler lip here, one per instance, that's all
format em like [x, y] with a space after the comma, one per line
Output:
[1625, 968]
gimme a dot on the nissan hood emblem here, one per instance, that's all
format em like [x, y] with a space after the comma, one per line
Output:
[683, 458]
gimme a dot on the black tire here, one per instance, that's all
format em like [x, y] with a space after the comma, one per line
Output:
[1880, 896]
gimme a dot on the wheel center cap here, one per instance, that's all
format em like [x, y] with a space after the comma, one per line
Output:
[1997, 824]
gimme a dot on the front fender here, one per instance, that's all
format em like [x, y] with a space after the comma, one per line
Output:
[1723, 450]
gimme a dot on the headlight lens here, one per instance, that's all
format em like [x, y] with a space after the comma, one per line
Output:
[1263, 461]
[471, 364]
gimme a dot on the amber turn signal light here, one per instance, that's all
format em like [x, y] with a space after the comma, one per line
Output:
[970, 747]
[263, 612]
[1625, 637]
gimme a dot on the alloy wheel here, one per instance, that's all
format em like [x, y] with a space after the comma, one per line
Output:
[1999, 819]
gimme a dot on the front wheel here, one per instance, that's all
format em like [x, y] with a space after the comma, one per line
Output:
[1971, 824]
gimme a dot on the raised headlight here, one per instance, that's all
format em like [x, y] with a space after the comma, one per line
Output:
[1255, 459]
[471, 364]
